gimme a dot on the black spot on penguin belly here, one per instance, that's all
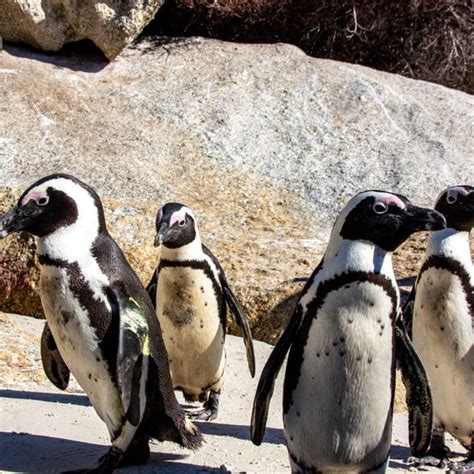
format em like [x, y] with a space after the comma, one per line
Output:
[296, 354]
[67, 315]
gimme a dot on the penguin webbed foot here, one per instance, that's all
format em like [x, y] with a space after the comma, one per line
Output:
[137, 453]
[209, 411]
[436, 456]
[205, 414]
[428, 461]
[460, 467]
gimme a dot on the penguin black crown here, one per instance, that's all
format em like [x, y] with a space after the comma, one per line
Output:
[101, 325]
[191, 294]
[345, 339]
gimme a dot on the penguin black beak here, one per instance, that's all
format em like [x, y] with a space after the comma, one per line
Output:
[161, 235]
[10, 222]
[419, 218]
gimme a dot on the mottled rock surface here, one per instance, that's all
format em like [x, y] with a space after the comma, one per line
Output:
[50, 24]
[264, 143]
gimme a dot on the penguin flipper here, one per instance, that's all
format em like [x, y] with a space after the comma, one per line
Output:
[241, 319]
[53, 364]
[238, 313]
[152, 287]
[266, 384]
[132, 349]
[407, 312]
[418, 392]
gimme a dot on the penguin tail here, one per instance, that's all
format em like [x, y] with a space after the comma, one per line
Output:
[191, 437]
[178, 429]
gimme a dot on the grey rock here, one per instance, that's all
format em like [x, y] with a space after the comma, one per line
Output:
[322, 129]
[49, 24]
[264, 143]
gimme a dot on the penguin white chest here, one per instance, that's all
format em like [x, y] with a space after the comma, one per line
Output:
[78, 344]
[339, 407]
[188, 310]
[443, 338]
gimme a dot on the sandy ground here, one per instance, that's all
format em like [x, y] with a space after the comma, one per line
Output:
[45, 430]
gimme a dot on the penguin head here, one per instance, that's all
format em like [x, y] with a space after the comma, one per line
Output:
[385, 219]
[456, 203]
[175, 226]
[52, 203]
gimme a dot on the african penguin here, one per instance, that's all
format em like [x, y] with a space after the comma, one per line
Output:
[101, 325]
[345, 339]
[191, 294]
[441, 313]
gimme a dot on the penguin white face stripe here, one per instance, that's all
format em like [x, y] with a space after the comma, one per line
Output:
[379, 196]
[67, 242]
[73, 243]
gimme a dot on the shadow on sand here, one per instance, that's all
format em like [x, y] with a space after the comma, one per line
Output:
[80, 400]
[272, 435]
[23, 452]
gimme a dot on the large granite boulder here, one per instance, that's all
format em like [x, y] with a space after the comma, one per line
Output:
[264, 143]
[49, 24]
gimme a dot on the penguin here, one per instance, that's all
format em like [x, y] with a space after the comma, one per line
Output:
[191, 294]
[440, 314]
[344, 339]
[100, 322]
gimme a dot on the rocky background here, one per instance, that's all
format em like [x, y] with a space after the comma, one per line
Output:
[264, 143]
[429, 40]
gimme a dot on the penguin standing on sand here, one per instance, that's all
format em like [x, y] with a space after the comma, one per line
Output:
[345, 339]
[440, 313]
[101, 325]
[191, 294]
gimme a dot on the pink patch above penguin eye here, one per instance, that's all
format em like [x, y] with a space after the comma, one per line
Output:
[41, 199]
[391, 199]
[453, 193]
[178, 217]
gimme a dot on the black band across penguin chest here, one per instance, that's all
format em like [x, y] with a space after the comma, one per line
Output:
[82, 309]
[335, 284]
[340, 373]
[455, 269]
[442, 335]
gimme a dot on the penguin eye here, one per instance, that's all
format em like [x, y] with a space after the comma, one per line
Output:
[42, 201]
[380, 208]
[451, 198]
[181, 223]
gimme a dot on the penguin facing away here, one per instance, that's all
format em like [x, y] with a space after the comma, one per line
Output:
[101, 325]
[191, 294]
[344, 339]
[440, 314]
